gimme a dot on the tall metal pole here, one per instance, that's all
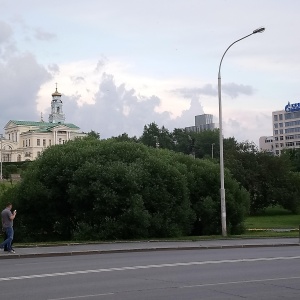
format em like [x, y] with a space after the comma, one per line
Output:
[222, 188]
[212, 150]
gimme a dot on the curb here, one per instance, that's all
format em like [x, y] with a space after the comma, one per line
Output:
[92, 252]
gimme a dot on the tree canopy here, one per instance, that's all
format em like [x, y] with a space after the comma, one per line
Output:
[107, 189]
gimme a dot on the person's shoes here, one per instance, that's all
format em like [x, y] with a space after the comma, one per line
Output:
[12, 251]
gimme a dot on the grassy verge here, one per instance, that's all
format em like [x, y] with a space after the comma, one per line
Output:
[273, 218]
[274, 222]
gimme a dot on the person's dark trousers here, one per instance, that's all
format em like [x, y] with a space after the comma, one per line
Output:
[5, 237]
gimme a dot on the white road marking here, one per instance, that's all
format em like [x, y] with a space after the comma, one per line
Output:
[84, 296]
[147, 267]
[238, 282]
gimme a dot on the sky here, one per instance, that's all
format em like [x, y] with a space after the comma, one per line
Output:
[121, 65]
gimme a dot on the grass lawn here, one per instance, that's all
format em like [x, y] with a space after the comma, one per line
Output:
[273, 218]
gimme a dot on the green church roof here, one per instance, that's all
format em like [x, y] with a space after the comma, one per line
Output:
[43, 125]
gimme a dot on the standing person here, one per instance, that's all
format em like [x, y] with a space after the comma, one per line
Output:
[7, 226]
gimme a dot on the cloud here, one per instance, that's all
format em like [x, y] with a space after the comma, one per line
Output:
[53, 68]
[245, 125]
[116, 110]
[77, 79]
[231, 89]
[23, 72]
[207, 90]
[5, 32]
[43, 35]
[187, 117]
[101, 63]
[234, 90]
[7, 45]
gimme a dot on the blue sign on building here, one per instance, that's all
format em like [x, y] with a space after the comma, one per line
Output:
[292, 107]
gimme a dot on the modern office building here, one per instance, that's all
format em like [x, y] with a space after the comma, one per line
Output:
[202, 123]
[286, 130]
[26, 140]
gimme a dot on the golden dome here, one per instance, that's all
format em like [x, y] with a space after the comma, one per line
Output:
[56, 93]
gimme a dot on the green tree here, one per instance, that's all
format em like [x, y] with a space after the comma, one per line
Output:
[157, 137]
[93, 134]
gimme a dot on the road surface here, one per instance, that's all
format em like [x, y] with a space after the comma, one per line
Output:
[250, 273]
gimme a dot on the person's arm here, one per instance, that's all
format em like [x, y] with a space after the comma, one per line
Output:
[13, 215]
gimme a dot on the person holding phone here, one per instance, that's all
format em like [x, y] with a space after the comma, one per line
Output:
[7, 226]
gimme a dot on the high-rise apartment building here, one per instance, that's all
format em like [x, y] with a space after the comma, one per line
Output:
[202, 122]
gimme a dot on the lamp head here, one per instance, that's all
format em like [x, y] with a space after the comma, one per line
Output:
[259, 30]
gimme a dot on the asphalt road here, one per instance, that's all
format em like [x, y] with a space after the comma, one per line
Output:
[250, 273]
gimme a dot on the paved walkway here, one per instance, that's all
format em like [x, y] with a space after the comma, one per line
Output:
[143, 246]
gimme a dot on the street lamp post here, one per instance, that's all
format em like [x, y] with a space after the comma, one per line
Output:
[222, 189]
[212, 150]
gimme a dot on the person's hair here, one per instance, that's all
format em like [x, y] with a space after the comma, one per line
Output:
[8, 204]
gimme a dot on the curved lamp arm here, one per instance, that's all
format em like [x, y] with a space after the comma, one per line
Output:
[258, 30]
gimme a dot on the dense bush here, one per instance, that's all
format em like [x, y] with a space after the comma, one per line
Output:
[92, 189]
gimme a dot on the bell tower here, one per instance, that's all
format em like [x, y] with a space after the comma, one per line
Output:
[57, 115]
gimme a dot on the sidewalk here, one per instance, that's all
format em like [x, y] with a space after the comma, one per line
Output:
[144, 246]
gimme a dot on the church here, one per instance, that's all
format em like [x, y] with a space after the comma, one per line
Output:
[26, 140]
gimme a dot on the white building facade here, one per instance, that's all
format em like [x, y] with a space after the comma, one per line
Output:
[26, 140]
[286, 130]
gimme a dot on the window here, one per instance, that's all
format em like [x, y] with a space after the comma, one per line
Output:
[23, 143]
[281, 145]
[19, 158]
[281, 131]
[293, 115]
[281, 125]
[276, 145]
[275, 118]
[26, 143]
[289, 144]
[38, 142]
[29, 142]
[276, 132]
[39, 153]
[276, 125]
[298, 143]
[276, 138]
[9, 136]
[49, 142]
[281, 138]
[59, 140]
[277, 152]
[44, 143]
[280, 117]
[289, 137]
